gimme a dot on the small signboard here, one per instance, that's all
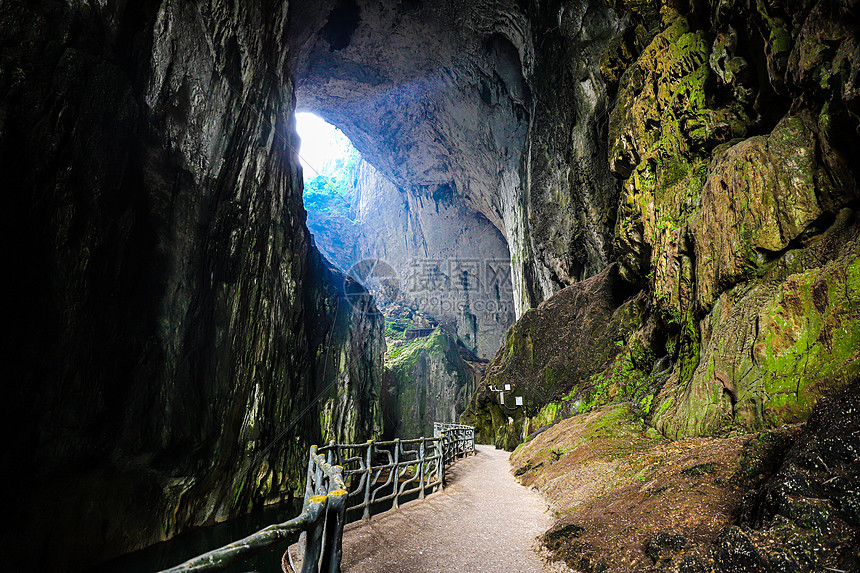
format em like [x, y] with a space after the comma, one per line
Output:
[519, 400]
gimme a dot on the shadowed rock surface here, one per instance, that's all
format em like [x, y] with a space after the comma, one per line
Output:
[553, 351]
[170, 319]
[808, 516]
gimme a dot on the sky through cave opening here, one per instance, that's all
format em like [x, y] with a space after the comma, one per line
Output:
[332, 173]
[329, 161]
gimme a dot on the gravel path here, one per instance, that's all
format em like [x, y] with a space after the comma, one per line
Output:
[482, 522]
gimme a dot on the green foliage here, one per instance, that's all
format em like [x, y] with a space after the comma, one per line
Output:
[546, 416]
[399, 350]
[328, 194]
[333, 193]
[395, 327]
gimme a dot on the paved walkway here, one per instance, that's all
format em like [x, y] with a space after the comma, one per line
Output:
[482, 522]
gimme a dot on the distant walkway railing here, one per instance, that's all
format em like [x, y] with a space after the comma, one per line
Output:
[354, 477]
[459, 440]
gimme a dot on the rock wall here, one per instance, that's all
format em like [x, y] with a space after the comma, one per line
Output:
[552, 350]
[435, 255]
[169, 316]
[732, 128]
[426, 381]
[493, 103]
[736, 213]
[171, 328]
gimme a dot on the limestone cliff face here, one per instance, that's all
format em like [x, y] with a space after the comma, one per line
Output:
[426, 381]
[732, 128]
[441, 257]
[495, 104]
[170, 325]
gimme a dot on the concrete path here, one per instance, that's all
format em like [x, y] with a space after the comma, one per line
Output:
[482, 522]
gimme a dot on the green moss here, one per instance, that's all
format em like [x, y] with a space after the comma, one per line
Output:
[405, 348]
[395, 327]
[614, 418]
[546, 415]
[806, 347]
[699, 470]
[663, 407]
[419, 375]
[689, 348]
[645, 404]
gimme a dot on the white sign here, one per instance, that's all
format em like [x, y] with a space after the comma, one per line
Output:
[519, 400]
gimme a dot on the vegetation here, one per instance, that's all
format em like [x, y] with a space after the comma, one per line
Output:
[328, 194]
[395, 327]
[333, 190]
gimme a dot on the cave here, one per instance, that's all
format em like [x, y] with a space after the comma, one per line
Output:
[428, 258]
[640, 215]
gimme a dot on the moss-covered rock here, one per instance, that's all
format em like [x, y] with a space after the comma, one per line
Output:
[719, 229]
[426, 380]
[773, 348]
[761, 195]
[553, 352]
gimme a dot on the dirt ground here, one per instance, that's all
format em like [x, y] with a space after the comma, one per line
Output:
[623, 500]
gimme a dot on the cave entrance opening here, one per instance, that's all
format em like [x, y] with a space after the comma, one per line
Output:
[329, 163]
[347, 227]
[335, 178]
[427, 256]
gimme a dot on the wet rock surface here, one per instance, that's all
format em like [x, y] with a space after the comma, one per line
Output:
[806, 517]
[171, 320]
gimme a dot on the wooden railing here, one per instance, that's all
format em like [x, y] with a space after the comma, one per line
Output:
[459, 440]
[343, 477]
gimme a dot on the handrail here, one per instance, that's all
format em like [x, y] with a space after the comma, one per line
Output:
[461, 440]
[349, 476]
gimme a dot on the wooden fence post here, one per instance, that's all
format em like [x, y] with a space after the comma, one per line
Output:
[369, 462]
[333, 545]
[310, 487]
[313, 542]
[396, 470]
[440, 450]
[421, 469]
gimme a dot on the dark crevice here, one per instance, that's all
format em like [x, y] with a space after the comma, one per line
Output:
[341, 25]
